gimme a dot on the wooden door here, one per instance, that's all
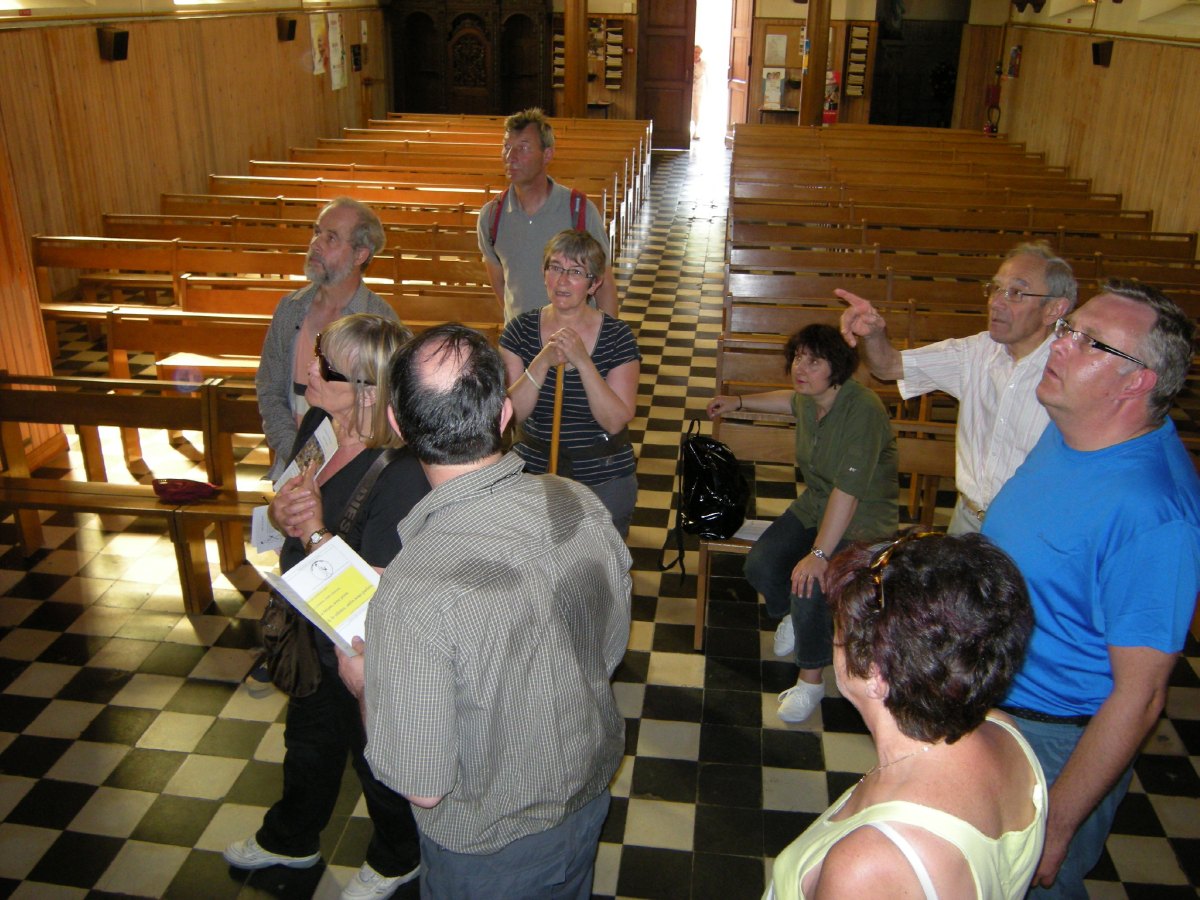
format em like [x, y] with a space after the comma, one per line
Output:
[740, 31]
[667, 35]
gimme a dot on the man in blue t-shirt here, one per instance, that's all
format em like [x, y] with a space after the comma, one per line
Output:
[1103, 519]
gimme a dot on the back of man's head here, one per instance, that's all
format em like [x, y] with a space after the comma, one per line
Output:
[532, 116]
[448, 392]
[1167, 347]
[1060, 280]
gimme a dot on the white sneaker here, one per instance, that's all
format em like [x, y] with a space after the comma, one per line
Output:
[367, 884]
[797, 703]
[785, 637]
[247, 854]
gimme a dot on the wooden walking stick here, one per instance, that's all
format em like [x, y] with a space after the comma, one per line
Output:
[556, 423]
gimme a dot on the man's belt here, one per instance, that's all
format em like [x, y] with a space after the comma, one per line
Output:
[1034, 716]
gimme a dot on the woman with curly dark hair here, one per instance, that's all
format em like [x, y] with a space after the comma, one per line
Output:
[846, 454]
[929, 632]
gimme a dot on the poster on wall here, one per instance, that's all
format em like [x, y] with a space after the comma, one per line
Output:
[775, 50]
[772, 88]
[320, 43]
[337, 52]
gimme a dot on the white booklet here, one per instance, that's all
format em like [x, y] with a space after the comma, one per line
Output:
[319, 448]
[331, 587]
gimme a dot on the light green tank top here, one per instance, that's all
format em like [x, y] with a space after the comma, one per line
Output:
[1001, 867]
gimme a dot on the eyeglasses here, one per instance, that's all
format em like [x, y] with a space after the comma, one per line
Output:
[1062, 328]
[1010, 295]
[575, 273]
[883, 557]
[328, 372]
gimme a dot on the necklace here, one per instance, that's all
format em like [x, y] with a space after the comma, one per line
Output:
[877, 767]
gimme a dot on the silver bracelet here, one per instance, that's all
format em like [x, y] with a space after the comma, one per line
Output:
[531, 381]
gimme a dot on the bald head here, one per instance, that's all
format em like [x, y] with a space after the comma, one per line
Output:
[448, 396]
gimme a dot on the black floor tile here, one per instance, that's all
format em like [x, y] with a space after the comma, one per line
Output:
[76, 859]
[672, 703]
[732, 708]
[145, 770]
[792, 749]
[93, 685]
[51, 804]
[232, 737]
[31, 756]
[736, 744]
[724, 877]
[653, 872]
[664, 779]
[726, 785]
[119, 725]
[175, 820]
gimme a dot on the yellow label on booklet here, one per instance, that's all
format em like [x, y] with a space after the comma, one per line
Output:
[341, 596]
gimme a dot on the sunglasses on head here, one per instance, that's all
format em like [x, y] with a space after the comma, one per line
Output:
[328, 372]
[878, 566]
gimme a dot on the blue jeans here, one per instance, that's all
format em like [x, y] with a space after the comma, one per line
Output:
[1054, 745]
[556, 864]
[769, 570]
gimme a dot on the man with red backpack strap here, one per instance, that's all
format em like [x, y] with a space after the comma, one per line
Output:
[514, 228]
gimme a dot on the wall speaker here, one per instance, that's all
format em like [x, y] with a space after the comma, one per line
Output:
[114, 44]
[1102, 53]
[285, 27]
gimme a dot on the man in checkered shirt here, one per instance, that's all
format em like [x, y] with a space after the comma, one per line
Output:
[490, 644]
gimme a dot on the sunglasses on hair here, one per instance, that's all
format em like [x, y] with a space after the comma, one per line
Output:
[329, 373]
[879, 564]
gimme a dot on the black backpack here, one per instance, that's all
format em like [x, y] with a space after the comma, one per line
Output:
[710, 493]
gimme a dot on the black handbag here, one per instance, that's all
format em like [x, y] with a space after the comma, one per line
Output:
[711, 493]
[289, 644]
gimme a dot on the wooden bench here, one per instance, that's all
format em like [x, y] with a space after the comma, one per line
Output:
[279, 206]
[925, 451]
[934, 211]
[88, 404]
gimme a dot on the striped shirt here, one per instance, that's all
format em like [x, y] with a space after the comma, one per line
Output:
[490, 644]
[999, 416]
[615, 346]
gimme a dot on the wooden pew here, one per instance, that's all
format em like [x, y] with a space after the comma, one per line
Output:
[279, 206]
[262, 230]
[88, 404]
[1145, 245]
[934, 212]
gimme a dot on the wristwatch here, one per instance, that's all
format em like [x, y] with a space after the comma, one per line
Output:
[819, 554]
[314, 539]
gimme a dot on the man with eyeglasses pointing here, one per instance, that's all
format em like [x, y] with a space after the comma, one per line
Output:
[1103, 520]
[992, 374]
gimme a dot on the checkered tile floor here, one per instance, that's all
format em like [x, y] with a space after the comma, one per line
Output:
[131, 753]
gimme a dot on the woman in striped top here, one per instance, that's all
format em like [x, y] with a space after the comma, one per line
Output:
[601, 365]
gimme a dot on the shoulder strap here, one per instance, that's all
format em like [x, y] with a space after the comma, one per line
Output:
[354, 507]
[496, 213]
[579, 210]
[910, 853]
[676, 533]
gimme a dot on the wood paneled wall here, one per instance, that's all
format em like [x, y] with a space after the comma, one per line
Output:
[1132, 128]
[84, 137]
[19, 316]
[977, 59]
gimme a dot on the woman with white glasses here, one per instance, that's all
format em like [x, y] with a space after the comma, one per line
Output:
[601, 364]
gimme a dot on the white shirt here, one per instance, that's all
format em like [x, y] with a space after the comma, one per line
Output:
[999, 417]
